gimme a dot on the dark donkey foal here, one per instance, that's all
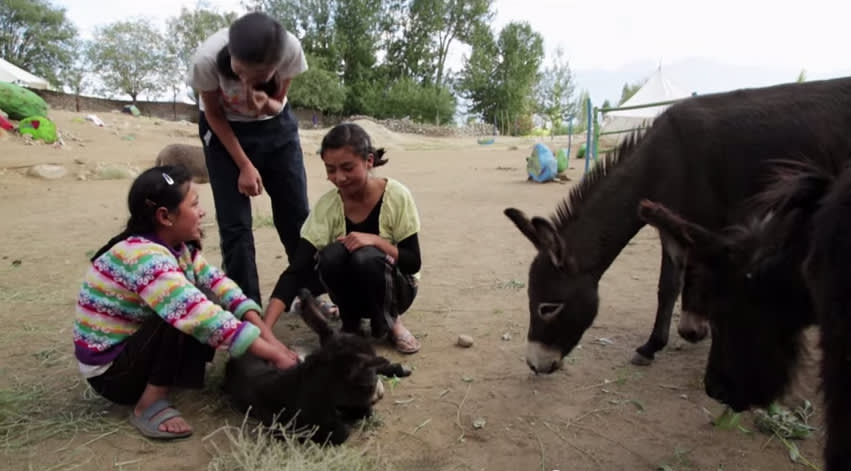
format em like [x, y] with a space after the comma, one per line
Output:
[332, 388]
[702, 158]
[766, 281]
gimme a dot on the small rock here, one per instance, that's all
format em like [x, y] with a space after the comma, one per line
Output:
[465, 341]
[47, 171]
[506, 336]
[479, 423]
[604, 341]
[683, 396]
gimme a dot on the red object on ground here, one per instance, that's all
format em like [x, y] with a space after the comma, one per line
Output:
[5, 124]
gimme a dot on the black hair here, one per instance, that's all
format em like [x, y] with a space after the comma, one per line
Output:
[355, 138]
[157, 187]
[255, 38]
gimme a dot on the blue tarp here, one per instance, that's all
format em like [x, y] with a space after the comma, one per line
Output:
[542, 165]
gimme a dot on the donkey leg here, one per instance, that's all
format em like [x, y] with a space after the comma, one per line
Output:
[670, 285]
[836, 383]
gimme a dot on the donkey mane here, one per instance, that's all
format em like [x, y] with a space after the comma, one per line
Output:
[789, 200]
[568, 208]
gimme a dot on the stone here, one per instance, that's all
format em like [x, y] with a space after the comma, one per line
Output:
[47, 171]
[465, 341]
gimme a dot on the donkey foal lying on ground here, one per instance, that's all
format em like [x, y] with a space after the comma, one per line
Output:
[332, 388]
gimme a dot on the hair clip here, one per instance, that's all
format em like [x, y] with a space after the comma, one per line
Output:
[168, 179]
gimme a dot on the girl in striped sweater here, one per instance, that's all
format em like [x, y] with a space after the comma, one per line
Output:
[144, 324]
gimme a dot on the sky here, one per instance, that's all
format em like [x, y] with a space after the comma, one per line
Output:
[706, 46]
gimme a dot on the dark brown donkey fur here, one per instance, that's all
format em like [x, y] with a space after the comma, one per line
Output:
[766, 281]
[332, 388]
[702, 158]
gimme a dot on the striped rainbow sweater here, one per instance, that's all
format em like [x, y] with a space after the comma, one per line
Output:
[138, 278]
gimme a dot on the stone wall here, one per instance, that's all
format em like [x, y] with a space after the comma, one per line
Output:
[189, 112]
[162, 110]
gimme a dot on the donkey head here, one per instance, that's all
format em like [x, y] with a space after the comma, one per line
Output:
[753, 293]
[562, 300]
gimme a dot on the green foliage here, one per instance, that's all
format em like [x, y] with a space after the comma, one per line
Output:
[318, 88]
[36, 36]
[128, 57]
[407, 98]
[555, 92]
[185, 32]
[802, 76]
[76, 73]
[501, 75]
[459, 20]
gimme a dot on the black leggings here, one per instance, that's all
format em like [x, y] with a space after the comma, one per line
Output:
[156, 354]
[365, 285]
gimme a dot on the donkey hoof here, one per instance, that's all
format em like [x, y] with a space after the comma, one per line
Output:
[641, 360]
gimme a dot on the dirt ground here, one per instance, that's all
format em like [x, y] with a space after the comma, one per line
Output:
[599, 413]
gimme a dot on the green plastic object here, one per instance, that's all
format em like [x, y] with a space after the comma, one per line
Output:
[561, 160]
[580, 154]
[38, 127]
[19, 102]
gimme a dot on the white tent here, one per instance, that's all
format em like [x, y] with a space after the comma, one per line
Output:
[658, 88]
[11, 73]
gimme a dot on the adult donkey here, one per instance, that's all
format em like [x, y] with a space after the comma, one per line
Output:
[702, 158]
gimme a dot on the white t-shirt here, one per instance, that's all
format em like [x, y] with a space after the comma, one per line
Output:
[204, 75]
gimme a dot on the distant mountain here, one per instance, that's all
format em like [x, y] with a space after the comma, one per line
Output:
[693, 74]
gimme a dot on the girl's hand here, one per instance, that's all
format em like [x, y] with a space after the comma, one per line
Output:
[250, 183]
[256, 99]
[356, 240]
[286, 359]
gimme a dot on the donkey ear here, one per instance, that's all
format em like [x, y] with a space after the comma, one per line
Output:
[694, 238]
[522, 222]
[550, 243]
[312, 316]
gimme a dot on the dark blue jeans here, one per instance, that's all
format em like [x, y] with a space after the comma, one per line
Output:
[273, 146]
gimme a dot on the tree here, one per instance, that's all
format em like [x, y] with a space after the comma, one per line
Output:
[312, 21]
[129, 58]
[477, 79]
[75, 74]
[555, 92]
[36, 36]
[411, 50]
[500, 77]
[189, 29]
[458, 18]
[802, 76]
[582, 119]
[318, 88]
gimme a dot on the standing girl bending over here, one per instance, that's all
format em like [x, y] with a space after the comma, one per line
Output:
[250, 136]
[144, 326]
[359, 243]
